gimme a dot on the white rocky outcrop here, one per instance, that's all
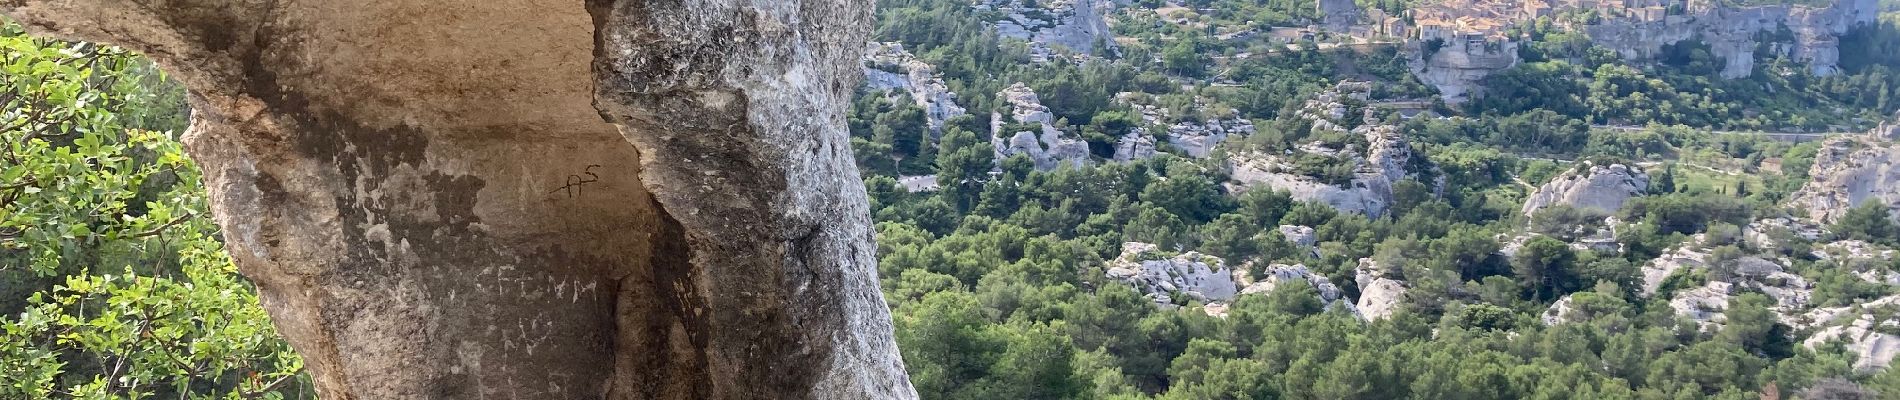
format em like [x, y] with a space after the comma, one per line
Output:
[1049, 147]
[1369, 192]
[1559, 312]
[1731, 32]
[1160, 275]
[1279, 274]
[1859, 328]
[1379, 294]
[1078, 25]
[1197, 137]
[888, 67]
[1339, 15]
[1302, 237]
[1849, 171]
[1762, 233]
[1456, 63]
[1208, 279]
[1384, 162]
[1136, 145]
[1599, 188]
[1706, 304]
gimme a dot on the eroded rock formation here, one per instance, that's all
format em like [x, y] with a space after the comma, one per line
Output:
[1850, 171]
[432, 206]
[1600, 189]
[888, 67]
[1047, 146]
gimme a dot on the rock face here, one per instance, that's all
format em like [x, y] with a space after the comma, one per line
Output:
[1849, 171]
[1731, 32]
[1074, 24]
[1136, 145]
[1161, 276]
[1456, 62]
[1196, 137]
[1338, 15]
[1208, 279]
[1859, 329]
[1379, 294]
[888, 67]
[1384, 162]
[1302, 237]
[432, 207]
[1049, 147]
[1598, 188]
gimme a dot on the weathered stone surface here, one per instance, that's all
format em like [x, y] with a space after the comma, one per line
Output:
[1859, 327]
[1456, 63]
[1048, 147]
[1074, 24]
[889, 67]
[1849, 171]
[432, 207]
[1731, 32]
[1597, 188]
[1161, 275]
[1380, 295]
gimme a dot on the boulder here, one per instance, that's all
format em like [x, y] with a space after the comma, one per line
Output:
[1160, 275]
[1597, 188]
[529, 199]
[1379, 294]
[1302, 237]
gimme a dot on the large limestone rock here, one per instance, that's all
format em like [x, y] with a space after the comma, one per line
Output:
[1849, 171]
[1380, 294]
[433, 208]
[1208, 279]
[1339, 15]
[1731, 32]
[1598, 188]
[888, 67]
[1162, 275]
[1049, 147]
[1457, 62]
[1078, 25]
[1385, 161]
[1859, 328]
[1197, 137]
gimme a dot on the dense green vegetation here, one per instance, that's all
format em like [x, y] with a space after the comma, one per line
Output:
[115, 284]
[997, 280]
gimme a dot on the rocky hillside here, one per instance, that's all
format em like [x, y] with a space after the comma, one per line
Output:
[1853, 170]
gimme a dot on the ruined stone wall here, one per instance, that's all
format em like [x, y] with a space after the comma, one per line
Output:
[433, 207]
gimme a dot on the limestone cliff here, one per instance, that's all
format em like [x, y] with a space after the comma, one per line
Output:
[1455, 63]
[1849, 171]
[432, 206]
[1047, 146]
[1386, 160]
